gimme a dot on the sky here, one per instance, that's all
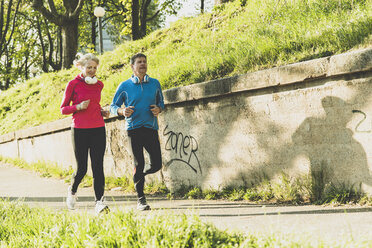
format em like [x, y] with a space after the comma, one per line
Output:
[190, 8]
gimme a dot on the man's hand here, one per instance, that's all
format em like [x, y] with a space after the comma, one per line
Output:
[83, 105]
[155, 110]
[127, 112]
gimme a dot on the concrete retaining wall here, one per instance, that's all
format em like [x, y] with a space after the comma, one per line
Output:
[235, 131]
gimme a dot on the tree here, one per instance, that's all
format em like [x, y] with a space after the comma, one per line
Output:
[8, 15]
[115, 22]
[53, 42]
[68, 22]
[8, 19]
[34, 42]
[125, 18]
[46, 37]
[143, 12]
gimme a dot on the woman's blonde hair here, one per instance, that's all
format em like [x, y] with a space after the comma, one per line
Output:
[82, 59]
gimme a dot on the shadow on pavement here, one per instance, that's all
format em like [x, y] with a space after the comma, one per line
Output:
[318, 211]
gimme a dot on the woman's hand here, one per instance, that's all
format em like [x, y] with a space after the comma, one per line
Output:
[83, 105]
[105, 113]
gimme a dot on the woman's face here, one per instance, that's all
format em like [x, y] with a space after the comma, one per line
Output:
[89, 70]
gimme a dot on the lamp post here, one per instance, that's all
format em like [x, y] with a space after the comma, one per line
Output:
[99, 12]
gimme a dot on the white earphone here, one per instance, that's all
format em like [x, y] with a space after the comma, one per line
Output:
[90, 80]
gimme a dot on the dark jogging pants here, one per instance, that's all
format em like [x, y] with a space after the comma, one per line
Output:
[148, 139]
[92, 140]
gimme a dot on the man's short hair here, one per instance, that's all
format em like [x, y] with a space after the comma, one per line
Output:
[137, 55]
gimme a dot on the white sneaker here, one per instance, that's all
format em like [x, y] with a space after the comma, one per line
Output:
[101, 207]
[142, 204]
[71, 199]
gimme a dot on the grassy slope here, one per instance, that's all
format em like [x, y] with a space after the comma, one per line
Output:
[232, 40]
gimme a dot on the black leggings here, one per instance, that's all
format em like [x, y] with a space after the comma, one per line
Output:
[147, 138]
[94, 141]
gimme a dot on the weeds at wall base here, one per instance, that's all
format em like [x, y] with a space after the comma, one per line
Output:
[306, 189]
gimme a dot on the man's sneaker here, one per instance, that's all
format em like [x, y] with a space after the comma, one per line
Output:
[71, 199]
[101, 207]
[142, 204]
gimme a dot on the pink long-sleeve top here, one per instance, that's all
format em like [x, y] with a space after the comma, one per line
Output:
[77, 90]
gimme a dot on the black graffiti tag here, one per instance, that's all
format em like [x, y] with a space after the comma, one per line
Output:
[361, 121]
[184, 146]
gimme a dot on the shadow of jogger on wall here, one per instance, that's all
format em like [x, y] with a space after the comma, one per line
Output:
[316, 143]
[328, 144]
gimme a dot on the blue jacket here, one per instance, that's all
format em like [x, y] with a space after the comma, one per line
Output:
[141, 96]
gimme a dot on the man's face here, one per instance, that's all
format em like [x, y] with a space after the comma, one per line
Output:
[140, 66]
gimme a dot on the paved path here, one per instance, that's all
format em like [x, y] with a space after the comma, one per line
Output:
[316, 223]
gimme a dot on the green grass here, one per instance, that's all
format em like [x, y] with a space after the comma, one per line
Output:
[23, 226]
[233, 39]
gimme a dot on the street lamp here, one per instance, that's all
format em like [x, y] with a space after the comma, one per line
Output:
[99, 12]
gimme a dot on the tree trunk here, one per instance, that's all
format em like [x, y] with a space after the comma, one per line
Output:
[69, 42]
[56, 64]
[94, 32]
[143, 17]
[60, 49]
[143, 21]
[93, 21]
[8, 69]
[136, 33]
[26, 68]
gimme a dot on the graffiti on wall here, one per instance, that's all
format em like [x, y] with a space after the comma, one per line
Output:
[363, 118]
[184, 148]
